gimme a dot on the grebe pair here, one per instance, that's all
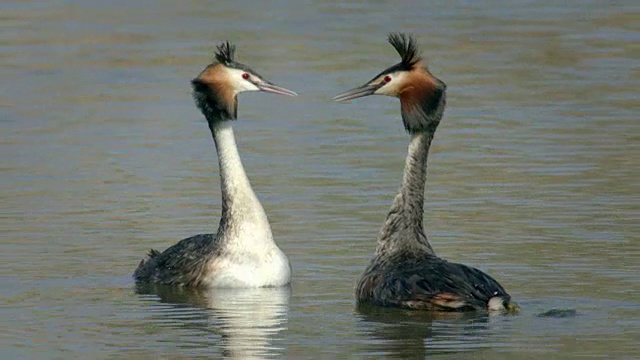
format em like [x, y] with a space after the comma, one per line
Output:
[405, 272]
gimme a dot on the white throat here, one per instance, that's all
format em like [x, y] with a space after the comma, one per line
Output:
[244, 224]
[248, 256]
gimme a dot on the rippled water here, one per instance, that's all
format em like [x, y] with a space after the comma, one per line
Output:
[533, 175]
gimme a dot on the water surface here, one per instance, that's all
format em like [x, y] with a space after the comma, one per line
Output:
[532, 177]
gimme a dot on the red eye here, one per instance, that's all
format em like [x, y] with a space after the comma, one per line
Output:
[387, 78]
[245, 76]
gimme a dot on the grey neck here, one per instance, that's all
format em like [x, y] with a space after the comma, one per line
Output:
[403, 227]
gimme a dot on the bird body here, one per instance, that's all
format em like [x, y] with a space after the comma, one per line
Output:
[242, 253]
[405, 271]
[423, 281]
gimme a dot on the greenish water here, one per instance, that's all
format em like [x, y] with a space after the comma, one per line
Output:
[533, 175]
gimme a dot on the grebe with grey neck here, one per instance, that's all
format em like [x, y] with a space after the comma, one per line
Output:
[405, 272]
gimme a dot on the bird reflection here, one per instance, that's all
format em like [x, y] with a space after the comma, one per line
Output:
[414, 335]
[241, 323]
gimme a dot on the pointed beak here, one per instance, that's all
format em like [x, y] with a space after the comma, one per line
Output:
[360, 91]
[274, 89]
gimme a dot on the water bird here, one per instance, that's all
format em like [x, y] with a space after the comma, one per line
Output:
[242, 254]
[405, 272]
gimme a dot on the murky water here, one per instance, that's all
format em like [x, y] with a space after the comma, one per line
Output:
[533, 175]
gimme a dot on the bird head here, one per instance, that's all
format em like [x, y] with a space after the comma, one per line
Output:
[216, 88]
[422, 95]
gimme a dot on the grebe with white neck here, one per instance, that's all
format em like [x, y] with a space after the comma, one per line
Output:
[405, 272]
[242, 253]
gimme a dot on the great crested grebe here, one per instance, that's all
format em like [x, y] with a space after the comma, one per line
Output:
[405, 272]
[242, 253]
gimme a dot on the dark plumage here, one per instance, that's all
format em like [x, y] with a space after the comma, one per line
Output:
[212, 103]
[422, 105]
[182, 264]
[412, 280]
[407, 47]
[225, 53]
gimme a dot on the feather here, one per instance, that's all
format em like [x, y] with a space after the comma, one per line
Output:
[407, 48]
[225, 53]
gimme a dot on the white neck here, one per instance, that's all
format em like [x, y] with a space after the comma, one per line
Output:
[244, 222]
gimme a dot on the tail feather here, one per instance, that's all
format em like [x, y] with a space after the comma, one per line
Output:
[141, 271]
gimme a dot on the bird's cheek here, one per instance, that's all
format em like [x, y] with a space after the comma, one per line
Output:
[245, 86]
[393, 89]
[385, 90]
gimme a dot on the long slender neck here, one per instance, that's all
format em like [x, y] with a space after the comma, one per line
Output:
[239, 203]
[422, 104]
[403, 227]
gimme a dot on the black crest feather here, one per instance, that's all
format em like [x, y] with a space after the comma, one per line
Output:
[407, 47]
[225, 52]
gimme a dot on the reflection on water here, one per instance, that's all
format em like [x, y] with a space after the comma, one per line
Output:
[244, 323]
[410, 334]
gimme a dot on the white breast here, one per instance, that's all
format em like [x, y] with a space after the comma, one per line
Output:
[269, 268]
